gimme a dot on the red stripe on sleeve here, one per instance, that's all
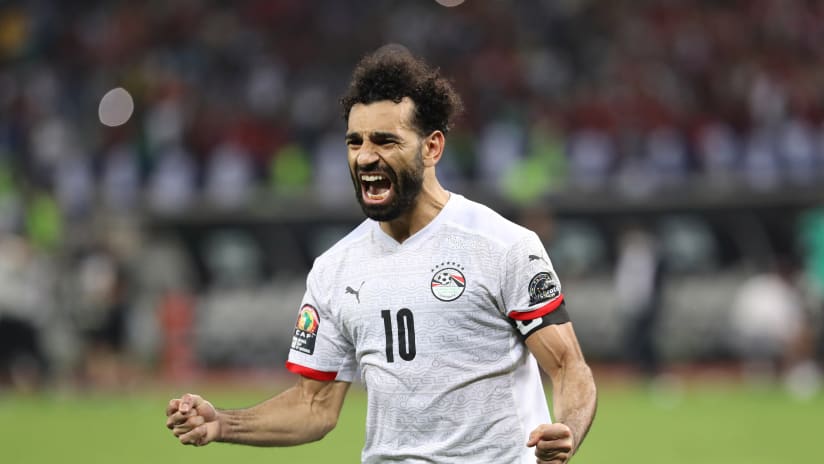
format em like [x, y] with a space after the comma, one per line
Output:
[542, 311]
[311, 373]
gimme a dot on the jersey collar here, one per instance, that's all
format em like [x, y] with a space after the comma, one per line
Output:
[422, 234]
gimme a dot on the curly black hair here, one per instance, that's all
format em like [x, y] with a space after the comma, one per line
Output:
[392, 73]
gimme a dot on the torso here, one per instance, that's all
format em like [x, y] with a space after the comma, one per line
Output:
[443, 366]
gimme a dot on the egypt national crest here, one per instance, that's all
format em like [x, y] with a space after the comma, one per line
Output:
[306, 329]
[543, 287]
[448, 282]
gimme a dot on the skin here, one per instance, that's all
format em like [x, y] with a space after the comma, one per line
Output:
[380, 138]
[574, 397]
[301, 414]
[367, 145]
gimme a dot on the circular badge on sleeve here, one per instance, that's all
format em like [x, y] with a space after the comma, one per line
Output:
[543, 287]
[308, 319]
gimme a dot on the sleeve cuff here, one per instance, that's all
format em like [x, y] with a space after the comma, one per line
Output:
[313, 374]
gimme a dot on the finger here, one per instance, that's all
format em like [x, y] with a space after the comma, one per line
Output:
[190, 401]
[548, 432]
[553, 447]
[180, 417]
[553, 451]
[172, 406]
[194, 437]
[553, 459]
[203, 406]
[186, 402]
[190, 424]
[195, 421]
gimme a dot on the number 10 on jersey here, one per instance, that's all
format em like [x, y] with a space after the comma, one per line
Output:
[406, 334]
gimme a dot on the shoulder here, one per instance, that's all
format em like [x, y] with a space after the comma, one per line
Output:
[336, 253]
[487, 224]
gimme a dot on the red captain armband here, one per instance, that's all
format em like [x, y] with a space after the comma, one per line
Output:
[552, 313]
[308, 372]
[540, 312]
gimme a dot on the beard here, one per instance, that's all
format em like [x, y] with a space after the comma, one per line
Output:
[407, 185]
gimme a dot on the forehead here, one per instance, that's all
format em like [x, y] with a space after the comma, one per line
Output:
[381, 116]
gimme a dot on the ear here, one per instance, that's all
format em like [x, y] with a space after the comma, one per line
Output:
[432, 148]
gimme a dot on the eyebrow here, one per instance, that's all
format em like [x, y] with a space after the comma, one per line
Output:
[376, 137]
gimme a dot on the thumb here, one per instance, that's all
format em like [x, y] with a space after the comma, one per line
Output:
[205, 409]
[207, 433]
[534, 437]
[548, 432]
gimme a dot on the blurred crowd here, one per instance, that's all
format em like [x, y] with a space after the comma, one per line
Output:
[234, 98]
[236, 103]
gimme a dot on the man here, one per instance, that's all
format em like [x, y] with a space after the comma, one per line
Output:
[440, 303]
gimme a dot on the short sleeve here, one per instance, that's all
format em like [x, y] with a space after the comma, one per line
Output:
[319, 350]
[530, 287]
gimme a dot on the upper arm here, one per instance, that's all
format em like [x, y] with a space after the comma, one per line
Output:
[323, 397]
[530, 288]
[555, 347]
[320, 349]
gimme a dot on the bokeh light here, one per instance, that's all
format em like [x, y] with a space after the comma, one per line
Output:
[116, 107]
[450, 3]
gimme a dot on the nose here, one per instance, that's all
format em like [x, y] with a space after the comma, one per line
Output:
[367, 155]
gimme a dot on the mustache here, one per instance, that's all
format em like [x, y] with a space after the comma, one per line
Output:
[376, 168]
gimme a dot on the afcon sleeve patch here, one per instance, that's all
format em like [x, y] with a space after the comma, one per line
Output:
[543, 287]
[306, 329]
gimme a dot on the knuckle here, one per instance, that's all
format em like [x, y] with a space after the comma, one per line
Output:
[187, 439]
[194, 421]
[181, 430]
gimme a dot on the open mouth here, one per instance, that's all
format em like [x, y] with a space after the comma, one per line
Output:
[375, 188]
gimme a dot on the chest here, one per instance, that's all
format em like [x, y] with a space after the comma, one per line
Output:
[419, 305]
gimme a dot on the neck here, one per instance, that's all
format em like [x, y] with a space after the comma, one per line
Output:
[430, 202]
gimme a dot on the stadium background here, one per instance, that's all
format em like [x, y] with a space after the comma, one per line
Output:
[143, 258]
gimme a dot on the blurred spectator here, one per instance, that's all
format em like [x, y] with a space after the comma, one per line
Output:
[639, 284]
[330, 161]
[121, 180]
[172, 186]
[229, 176]
[542, 170]
[633, 86]
[500, 146]
[102, 313]
[719, 153]
[290, 171]
[771, 328]
[811, 231]
[573, 98]
[591, 154]
[25, 306]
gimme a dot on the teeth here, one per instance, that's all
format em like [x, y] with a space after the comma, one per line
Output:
[371, 178]
[377, 196]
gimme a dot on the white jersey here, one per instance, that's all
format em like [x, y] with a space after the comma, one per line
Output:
[434, 326]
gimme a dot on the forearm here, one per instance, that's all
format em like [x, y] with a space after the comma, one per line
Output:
[574, 399]
[290, 418]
